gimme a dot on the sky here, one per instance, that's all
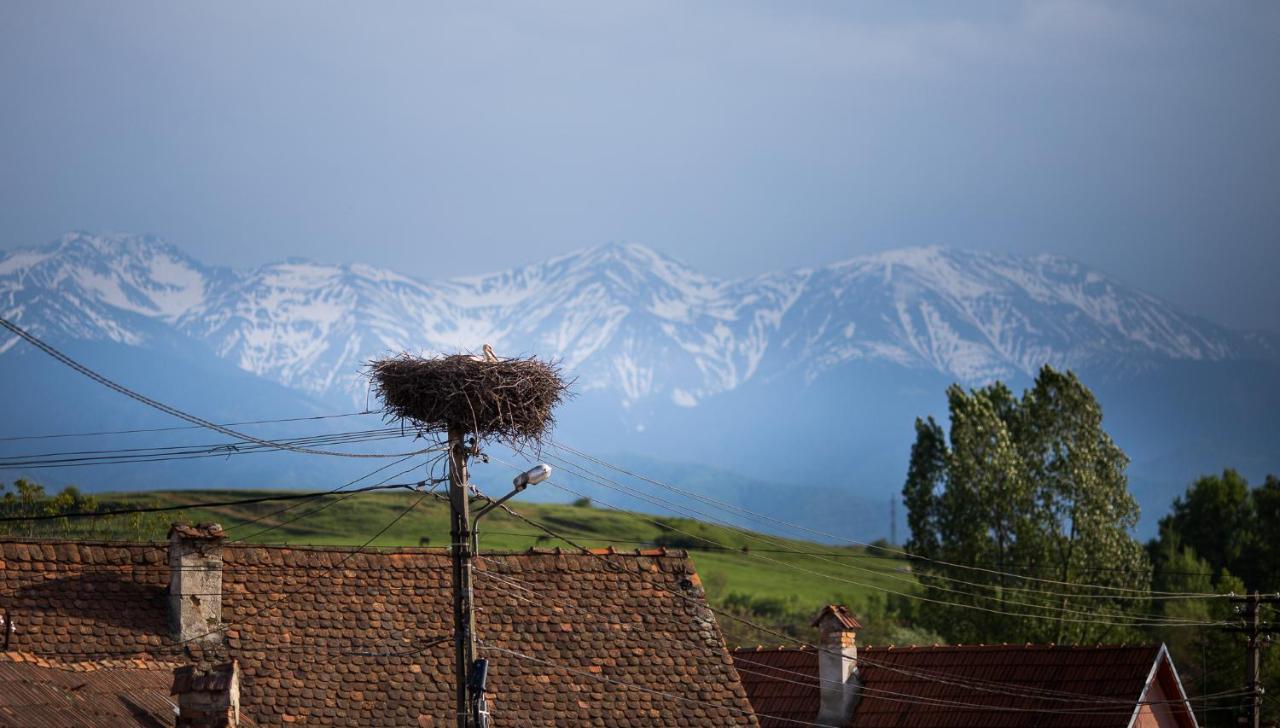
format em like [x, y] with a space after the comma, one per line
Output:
[454, 139]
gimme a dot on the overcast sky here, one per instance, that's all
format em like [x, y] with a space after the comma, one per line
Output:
[1141, 137]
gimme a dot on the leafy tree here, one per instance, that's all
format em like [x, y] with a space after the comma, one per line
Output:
[1230, 526]
[27, 499]
[1227, 531]
[1207, 661]
[1028, 485]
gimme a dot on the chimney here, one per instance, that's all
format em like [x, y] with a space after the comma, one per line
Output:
[208, 698]
[195, 582]
[837, 664]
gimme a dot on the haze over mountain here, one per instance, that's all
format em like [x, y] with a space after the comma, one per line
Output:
[804, 381]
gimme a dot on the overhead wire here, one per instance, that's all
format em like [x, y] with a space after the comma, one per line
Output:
[1090, 618]
[129, 456]
[642, 688]
[1029, 692]
[716, 610]
[743, 512]
[170, 410]
[299, 588]
[55, 436]
[186, 506]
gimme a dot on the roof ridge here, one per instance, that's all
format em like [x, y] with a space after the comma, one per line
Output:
[1017, 647]
[660, 552]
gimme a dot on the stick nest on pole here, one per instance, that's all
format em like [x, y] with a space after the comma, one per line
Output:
[510, 399]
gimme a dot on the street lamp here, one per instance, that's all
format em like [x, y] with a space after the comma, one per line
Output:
[532, 476]
[480, 668]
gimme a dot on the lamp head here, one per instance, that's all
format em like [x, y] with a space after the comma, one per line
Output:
[532, 476]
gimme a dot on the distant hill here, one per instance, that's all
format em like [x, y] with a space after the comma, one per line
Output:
[794, 390]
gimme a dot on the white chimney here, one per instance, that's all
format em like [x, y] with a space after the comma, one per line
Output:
[837, 664]
[195, 582]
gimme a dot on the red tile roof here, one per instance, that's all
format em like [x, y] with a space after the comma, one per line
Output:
[325, 636]
[967, 686]
[841, 614]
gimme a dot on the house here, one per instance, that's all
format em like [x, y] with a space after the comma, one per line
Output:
[960, 686]
[202, 632]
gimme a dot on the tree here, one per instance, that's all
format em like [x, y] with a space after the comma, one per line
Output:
[1224, 530]
[28, 499]
[1229, 525]
[1208, 661]
[1029, 486]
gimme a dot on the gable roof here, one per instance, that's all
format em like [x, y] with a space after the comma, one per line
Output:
[335, 636]
[973, 686]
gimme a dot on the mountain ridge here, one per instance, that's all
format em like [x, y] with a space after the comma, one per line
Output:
[623, 316]
[807, 380]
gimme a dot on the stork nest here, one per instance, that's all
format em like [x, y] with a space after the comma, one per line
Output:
[511, 399]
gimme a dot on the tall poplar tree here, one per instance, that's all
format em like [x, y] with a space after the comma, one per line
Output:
[1028, 486]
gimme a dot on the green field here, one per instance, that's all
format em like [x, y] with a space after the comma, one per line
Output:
[753, 573]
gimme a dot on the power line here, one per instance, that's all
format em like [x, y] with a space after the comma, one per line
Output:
[182, 427]
[1092, 616]
[1026, 692]
[235, 446]
[743, 620]
[202, 504]
[306, 582]
[186, 452]
[823, 534]
[641, 688]
[104, 381]
[1091, 620]
[996, 687]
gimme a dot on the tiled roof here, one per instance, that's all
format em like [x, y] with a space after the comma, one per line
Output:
[35, 694]
[841, 614]
[325, 636]
[964, 686]
[782, 684]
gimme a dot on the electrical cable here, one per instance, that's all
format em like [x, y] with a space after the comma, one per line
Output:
[652, 691]
[185, 506]
[104, 381]
[714, 609]
[1091, 615]
[183, 427]
[825, 535]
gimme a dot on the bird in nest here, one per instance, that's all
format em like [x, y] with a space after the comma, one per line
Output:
[489, 355]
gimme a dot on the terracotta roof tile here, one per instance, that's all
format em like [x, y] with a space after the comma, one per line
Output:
[323, 641]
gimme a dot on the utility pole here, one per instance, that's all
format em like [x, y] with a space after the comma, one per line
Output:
[1254, 630]
[464, 618]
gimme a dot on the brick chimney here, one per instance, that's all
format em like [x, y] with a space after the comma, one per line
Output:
[195, 582]
[209, 697]
[837, 664]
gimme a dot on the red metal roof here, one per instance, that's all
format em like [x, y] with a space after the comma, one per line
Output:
[34, 694]
[990, 686]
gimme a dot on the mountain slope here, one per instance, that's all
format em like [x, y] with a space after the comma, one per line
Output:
[832, 362]
[622, 317]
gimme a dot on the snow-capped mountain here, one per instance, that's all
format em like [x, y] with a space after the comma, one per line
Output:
[622, 318]
[804, 376]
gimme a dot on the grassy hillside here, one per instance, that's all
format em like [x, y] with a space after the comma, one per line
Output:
[748, 573]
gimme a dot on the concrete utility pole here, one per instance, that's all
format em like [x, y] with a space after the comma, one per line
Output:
[1254, 630]
[464, 619]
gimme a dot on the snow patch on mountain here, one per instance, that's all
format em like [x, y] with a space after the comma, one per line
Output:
[621, 318]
